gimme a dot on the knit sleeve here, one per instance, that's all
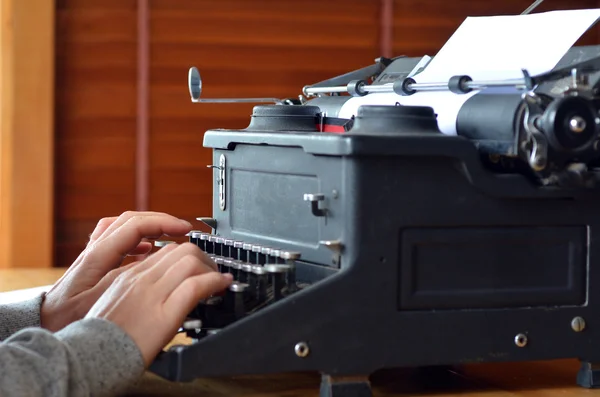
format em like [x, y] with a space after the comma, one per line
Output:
[18, 315]
[90, 357]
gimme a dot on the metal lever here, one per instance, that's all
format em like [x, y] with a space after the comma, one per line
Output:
[314, 203]
[195, 88]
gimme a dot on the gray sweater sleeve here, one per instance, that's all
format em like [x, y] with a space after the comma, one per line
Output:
[91, 357]
[16, 316]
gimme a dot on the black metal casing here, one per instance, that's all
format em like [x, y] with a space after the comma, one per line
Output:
[442, 261]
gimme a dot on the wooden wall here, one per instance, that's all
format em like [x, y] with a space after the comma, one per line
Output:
[26, 133]
[242, 48]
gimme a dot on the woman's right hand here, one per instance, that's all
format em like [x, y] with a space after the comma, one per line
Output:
[151, 300]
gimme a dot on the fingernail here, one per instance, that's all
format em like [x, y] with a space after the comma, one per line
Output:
[186, 223]
[228, 276]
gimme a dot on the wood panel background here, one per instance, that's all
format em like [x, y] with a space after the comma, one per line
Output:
[242, 48]
[26, 133]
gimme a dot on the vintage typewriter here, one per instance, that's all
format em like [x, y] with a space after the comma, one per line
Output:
[377, 241]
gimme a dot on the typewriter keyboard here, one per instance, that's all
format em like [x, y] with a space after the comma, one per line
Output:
[262, 276]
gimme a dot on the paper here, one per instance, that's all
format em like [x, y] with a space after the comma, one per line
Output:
[489, 48]
[499, 47]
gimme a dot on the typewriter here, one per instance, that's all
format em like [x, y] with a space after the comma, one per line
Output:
[369, 239]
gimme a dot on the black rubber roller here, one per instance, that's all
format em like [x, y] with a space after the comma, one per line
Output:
[401, 87]
[458, 84]
[355, 88]
[569, 123]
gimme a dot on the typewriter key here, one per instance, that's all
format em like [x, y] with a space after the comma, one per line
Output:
[275, 255]
[261, 281]
[256, 249]
[245, 273]
[212, 239]
[247, 252]
[239, 253]
[278, 279]
[192, 325]
[194, 237]
[266, 253]
[219, 261]
[162, 243]
[236, 300]
[226, 266]
[228, 248]
[236, 266]
[205, 243]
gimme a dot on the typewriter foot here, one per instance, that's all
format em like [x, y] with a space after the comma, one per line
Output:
[343, 386]
[589, 375]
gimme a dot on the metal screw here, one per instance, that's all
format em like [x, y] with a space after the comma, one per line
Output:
[578, 324]
[521, 340]
[577, 124]
[301, 349]
[334, 194]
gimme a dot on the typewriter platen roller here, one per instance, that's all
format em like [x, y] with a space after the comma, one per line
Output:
[373, 238]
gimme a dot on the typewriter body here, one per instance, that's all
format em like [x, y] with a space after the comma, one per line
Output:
[377, 241]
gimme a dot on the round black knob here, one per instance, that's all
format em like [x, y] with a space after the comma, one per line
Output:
[281, 118]
[569, 123]
[399, 119]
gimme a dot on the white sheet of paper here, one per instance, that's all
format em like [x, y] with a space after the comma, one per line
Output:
[490, 48]
[498, 47]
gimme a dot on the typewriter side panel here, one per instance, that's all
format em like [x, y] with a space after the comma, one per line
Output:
[264, 196]
[470, 277]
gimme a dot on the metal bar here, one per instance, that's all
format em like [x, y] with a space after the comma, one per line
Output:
[435, 86]
[238, 100]
[532, 7]
[142, 128]
[387, 28]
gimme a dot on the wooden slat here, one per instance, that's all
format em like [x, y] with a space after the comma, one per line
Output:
[95, 117]
[26, 134]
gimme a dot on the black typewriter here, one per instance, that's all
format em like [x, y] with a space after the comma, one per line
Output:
[377, 241]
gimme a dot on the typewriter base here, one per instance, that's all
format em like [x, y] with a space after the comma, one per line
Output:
[345, 386]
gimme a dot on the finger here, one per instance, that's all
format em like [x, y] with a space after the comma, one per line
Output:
[148, 263]
[127, 216]
[187, 295]
[111, 249]
[101, 227]
[135, 267]
[161, 266]
[175, 256]
[142, 249]
[183, 250]
[176, 273]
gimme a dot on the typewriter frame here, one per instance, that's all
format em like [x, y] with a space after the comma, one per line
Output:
[371, 312]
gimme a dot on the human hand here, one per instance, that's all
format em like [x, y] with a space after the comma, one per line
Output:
[99, 264]
[151, 300]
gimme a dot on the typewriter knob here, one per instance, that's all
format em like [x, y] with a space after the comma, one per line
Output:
[570, 123]
[284, 118]
[391, 120]
[194, 83]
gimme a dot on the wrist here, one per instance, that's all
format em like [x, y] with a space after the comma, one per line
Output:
[55, 313]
